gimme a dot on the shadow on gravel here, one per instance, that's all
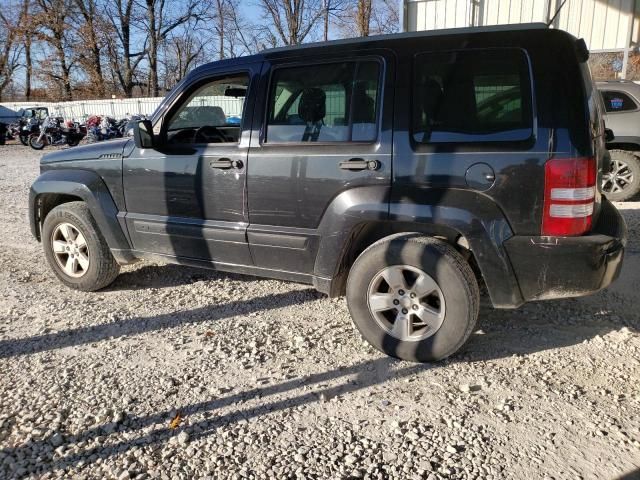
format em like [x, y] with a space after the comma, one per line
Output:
[634, 475]
[363, 375]
[138, 325]
[503, 335]
[164, 276]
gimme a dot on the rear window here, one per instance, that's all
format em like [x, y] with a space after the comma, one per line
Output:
[472, 96]
[618, 102]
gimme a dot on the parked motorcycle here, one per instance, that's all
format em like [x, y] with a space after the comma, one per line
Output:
[53, 131]
[104, 128]
[25, 128]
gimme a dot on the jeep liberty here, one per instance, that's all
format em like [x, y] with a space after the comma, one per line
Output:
[402, 171]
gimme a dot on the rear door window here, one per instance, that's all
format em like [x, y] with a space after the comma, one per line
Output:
[334, 102]
[618, 102]
[472, 96]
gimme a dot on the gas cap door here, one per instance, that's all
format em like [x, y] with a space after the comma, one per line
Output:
[480, 176]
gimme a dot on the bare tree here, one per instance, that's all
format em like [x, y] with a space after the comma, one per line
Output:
[26, 27]
[293, 20]
[243, 38]
[385, 17]
[181, 54]
[53, 28]
[123, 59]
[332, 10]
[10, 49]
[159, 21]
[89, 27]
[363, 17]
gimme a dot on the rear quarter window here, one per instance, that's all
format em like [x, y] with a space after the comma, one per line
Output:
[617, 101]
[472, 96]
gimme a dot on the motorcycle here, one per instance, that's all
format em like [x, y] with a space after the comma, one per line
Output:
[53, 131]
[25, 128]
[103, 128]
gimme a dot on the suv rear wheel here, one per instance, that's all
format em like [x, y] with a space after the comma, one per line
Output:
[413, 297]
[623, 182]
[75, 249]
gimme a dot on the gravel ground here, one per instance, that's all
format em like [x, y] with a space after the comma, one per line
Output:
[267, 379]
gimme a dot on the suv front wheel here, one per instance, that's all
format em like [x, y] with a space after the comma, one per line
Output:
[413, 297]
[75, 249]
[623, 182]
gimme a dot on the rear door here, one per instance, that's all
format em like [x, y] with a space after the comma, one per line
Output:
[325, 128]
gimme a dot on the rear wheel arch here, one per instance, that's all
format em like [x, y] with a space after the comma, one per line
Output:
[367, 234]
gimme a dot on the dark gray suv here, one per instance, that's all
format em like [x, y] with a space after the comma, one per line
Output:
[403, 171]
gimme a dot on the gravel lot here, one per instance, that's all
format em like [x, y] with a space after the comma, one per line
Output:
[267, 379]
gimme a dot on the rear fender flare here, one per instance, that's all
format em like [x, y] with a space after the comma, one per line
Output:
[472, 215]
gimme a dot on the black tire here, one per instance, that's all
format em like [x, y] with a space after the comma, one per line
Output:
[24, 140]
[627, 164]
[442, 263]
[73, 142]
[103, 268]
[34, 144]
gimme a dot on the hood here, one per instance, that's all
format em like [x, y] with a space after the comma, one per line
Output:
[93, 151]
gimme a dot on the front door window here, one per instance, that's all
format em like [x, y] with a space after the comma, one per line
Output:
[211, 114]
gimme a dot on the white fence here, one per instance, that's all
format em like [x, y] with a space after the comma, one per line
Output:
[120, 108]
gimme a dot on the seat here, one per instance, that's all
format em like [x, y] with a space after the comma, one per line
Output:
[364, 110]
[312, 109]
[427, 114]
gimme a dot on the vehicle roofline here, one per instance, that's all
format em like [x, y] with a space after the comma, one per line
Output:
[375, 40]
[410, 35]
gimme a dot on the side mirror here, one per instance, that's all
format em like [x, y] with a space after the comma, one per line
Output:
[608, 135]
[143, 134]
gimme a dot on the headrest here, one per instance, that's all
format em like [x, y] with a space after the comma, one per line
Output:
[312, 106]
[363, 105]
[431, 98]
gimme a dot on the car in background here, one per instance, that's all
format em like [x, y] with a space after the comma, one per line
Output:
[621, 100]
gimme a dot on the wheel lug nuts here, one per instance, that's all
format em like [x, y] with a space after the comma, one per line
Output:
[401, 292]
[396, 302]
[405, 311]
[412, 295]
[415, 307]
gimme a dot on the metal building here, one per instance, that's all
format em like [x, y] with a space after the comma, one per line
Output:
[606, 25]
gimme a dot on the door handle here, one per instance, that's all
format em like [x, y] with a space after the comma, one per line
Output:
[360, 164]
[226, 164]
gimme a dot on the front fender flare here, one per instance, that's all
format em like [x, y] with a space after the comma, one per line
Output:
[87, 186]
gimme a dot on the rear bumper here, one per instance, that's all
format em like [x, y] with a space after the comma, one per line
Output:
[559, 267]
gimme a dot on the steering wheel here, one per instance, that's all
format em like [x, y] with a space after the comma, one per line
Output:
[209, 134]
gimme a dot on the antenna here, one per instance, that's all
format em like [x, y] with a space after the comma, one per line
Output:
[557, 12]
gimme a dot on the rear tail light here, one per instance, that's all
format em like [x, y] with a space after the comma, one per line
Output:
[569, 196]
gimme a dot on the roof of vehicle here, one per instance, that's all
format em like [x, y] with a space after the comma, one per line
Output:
[411, 35]
[377, 41]
[620, 85]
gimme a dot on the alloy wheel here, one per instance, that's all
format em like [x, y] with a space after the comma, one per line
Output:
[620, 178]
[70, 250]
[406, 302]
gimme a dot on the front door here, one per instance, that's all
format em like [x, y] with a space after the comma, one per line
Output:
[186, 197]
